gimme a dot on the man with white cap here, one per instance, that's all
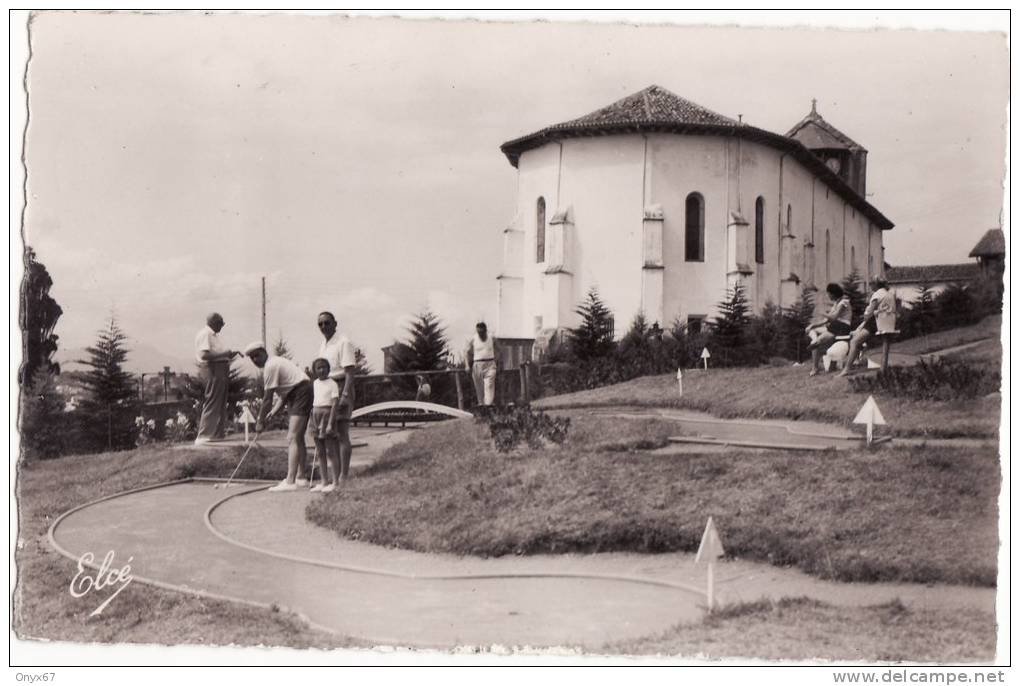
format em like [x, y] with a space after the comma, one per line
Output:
[285, 380]
[214, 366]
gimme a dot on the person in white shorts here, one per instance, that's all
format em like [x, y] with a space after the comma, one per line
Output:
[325, 399]
[285, 380]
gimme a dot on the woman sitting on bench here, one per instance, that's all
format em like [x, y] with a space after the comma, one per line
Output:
[879, 318]
[836, 323]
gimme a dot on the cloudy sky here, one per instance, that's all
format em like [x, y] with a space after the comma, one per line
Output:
[174, 160]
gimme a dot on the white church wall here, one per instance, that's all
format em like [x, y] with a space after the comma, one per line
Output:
[602, 181]
[608, 181]
[538, 177]
[681, 165]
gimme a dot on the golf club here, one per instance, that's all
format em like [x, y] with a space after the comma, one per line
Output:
[251, 445]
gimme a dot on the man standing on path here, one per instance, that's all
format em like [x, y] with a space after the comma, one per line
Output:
[214, 365]
[338, 351]
[285, 380]
[481, 363]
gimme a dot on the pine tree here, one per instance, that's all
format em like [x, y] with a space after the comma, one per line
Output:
[858, 299]
[108, 409]
[796, 319]
[280, 348]
[427, 347]
[594, 337]
[38, 317]
[361, 366]
[43, 423]
[923, 310]
[728, 341]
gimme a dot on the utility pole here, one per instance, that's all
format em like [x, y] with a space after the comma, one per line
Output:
[263, 310]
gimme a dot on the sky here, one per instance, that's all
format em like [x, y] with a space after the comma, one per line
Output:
[174, 160]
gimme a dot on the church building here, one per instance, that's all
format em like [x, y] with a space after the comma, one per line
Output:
[664, 205]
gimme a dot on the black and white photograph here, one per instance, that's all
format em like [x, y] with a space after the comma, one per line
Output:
[496, 339]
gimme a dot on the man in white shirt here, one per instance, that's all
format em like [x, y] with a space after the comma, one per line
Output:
[338, 351]
[481, 362]
[214, 366]
[284, 379]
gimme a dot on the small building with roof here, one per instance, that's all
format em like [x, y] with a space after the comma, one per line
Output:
[664, 205]
[990, 252]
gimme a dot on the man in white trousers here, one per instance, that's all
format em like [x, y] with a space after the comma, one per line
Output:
[482, 363]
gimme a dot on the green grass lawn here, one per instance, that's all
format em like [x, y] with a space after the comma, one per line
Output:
[989, 327]
[787, 392]
[804, 629]
[921, 514]
[43, 608]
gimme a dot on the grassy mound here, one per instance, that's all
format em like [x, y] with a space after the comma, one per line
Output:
[804, 629]
[141, 614]
[788, 393]
[924, 515]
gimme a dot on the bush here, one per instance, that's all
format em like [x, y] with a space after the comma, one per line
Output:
[943, 380]
[509, 427]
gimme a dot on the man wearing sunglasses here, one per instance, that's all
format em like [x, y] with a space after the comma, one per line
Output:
[338, 351]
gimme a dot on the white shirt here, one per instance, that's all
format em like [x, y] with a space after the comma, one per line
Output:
[207, 339]
[883, 307]
[482, 350]
[281, 374]
[339, 352]
[325, 391]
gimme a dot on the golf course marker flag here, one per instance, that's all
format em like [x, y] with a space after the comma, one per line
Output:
[679, 382]
[710, 549]
[705, 355]
[870, 415]
[246, 419]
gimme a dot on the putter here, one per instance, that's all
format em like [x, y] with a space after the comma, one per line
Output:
[251, 445]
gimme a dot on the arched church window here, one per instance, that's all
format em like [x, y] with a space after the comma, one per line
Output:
[759, 230]
[853, 258]
[694, 228]
[540, 231]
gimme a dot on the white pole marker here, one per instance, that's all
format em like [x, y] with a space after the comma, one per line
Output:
[870, 415]
[247, 418]
[711, 548]
[680, 382]
[705, 355]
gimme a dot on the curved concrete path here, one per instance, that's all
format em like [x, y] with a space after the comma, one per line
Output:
[165, 531]
[255, 547]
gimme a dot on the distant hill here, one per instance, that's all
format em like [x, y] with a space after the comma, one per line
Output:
[141, 358]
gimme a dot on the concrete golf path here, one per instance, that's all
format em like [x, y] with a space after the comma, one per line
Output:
[247, 545]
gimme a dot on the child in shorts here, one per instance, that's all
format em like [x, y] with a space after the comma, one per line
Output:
[326, 397]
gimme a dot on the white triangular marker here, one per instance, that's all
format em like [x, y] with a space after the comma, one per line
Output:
[711, 545]
[711, 548]
[870, 415]
[246, 419]
[705, 355]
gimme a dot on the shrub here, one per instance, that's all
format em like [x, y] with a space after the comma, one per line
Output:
[938, 380]
[956, 307]
[730, 342]
[511, 426]
[594, 337]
